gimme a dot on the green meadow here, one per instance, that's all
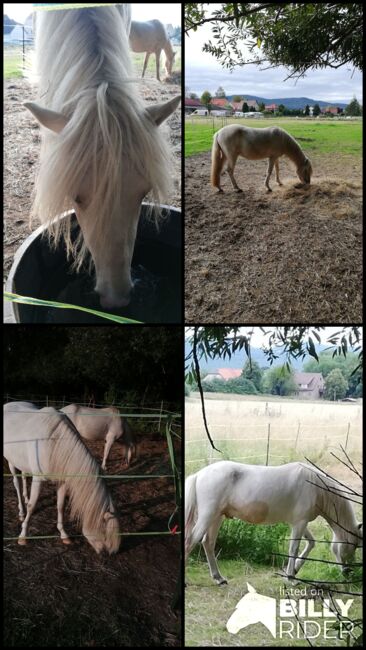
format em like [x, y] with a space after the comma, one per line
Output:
[314, 136]
[13, 63]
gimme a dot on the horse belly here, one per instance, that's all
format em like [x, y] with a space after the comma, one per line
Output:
[254, 512]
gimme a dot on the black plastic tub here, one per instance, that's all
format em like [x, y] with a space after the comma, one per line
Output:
[40, 271]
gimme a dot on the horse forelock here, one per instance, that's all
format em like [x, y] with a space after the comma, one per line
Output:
[89, 79]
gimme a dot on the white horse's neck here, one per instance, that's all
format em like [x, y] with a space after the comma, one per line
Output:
[294, 151]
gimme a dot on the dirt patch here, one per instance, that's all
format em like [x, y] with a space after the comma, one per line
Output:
[290, 255]
[68, 595]
[22, 147]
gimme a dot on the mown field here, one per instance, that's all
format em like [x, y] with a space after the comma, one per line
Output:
[239, 427]
[317, 136]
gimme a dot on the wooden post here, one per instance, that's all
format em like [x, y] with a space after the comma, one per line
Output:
[297, 435]
[348, 428]
[269, 432]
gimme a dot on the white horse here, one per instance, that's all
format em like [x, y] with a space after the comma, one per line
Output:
[255, 144]
[294, 493]
[151, 37]
[103, 424]
[102, 151]
[44, 443]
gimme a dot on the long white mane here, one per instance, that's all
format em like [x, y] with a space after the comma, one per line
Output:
[84, 68]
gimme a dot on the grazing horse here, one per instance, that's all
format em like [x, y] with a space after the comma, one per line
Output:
[255, 144]
[44, 443]
[294, 493]
[151, 37]
[102, 150]
[103, 424]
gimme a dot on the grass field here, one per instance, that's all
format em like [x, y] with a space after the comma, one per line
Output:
[239, 427]
[319, 136]
[242, 426]
[13, 63]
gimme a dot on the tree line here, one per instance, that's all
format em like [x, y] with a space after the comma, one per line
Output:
[340, 379]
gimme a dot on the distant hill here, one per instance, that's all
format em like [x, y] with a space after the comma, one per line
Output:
[238, 359]
[8, 24]
[292, 102]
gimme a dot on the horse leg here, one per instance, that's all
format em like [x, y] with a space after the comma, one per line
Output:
[230, 170]
[147, 55]
[309, 546]
[17, 489]
[25, 493]
[296, 534]
[107, 447]
[157, 59]
[61, 493]
[208, 543]
[271, 163]
[278, 173]
[33, 498]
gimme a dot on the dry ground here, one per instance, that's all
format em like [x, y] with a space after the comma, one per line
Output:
[22, 146]
[66, 596]
[290, 255]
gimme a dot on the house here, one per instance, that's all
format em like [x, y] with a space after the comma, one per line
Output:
[271, 107]
[331, 109]
[19, 33]
[251, 103]
[223, 374]
[221, 103]
[191, 105]
[310, 385]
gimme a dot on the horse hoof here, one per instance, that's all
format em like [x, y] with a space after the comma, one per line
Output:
[66, 540]
[220, 191]
[238, 190]
[22, 541]
[222, 582]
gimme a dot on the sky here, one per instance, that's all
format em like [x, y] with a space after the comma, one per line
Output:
[203, 72]
[258, 339]
[167, 13]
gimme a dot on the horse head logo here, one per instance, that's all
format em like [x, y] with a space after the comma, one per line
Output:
[253, 608]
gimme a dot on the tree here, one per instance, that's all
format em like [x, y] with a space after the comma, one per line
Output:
[353, 108]
[335, 385]
[253, 372]
[262, 106]
[316, 110]
[281, 109]
[220, 92]
[193, 96]
[245, 108]
[282, 34]
[206, 99]
[279, 381]
[237, 98]
[307, 110]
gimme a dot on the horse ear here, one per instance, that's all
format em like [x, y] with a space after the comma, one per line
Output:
[50, 119]
[160, 112]
[251, 589]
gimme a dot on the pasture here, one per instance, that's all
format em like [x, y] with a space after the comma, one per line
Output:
[239, 428]
[293, 254]
[69, 595]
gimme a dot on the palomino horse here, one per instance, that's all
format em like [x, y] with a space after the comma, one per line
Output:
[255, 144]
[102, 151]
[44, 443]
[151, 37]
[294, 493]
[103, 424]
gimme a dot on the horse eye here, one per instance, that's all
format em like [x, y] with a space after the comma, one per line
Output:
[78, 200]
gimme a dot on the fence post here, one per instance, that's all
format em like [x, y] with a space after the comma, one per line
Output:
[297, 435]
[161, 409]
[348, 428]
[269, 432]
[46, 400]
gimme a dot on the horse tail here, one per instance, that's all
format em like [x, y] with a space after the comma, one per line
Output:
[217, 161]
[190, 500]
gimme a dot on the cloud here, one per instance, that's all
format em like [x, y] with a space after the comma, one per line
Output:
[203, 72]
